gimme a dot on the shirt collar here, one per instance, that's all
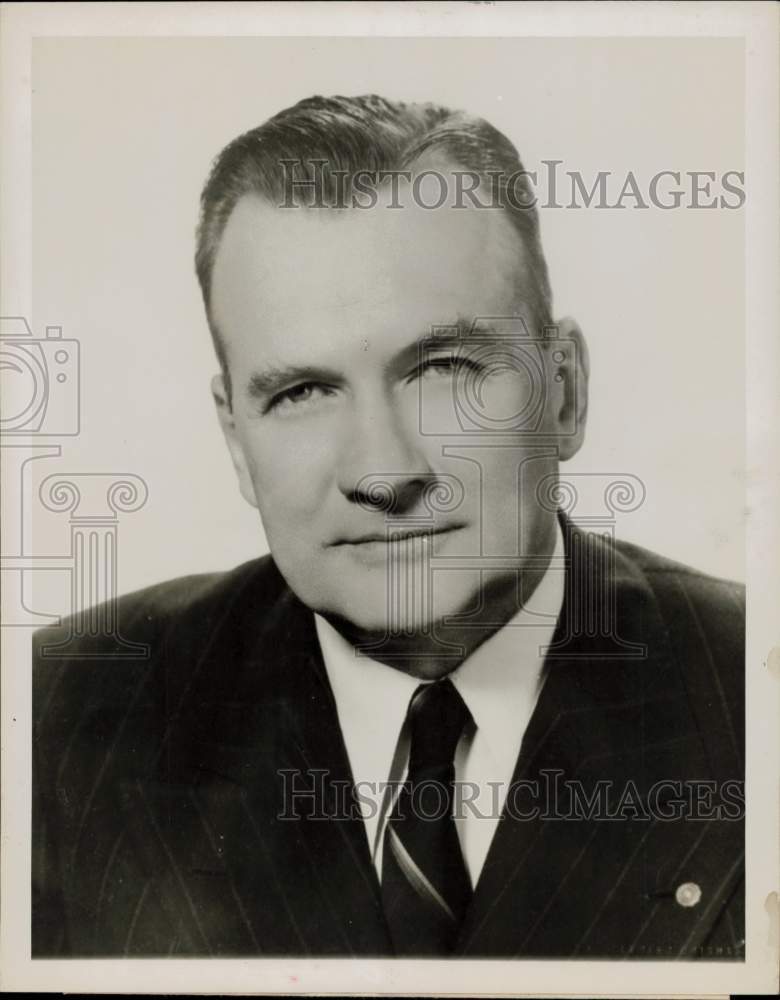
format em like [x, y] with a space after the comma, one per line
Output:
[502, 677]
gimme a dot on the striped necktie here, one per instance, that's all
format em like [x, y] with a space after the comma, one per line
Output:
[425, 884]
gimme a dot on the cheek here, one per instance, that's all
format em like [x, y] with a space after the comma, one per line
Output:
[515, 482]
[499, 399]
[510, 400]
[291, 473]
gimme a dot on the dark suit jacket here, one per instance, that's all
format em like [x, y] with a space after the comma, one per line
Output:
[157, 786]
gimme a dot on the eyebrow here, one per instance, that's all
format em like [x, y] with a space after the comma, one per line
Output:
[275, 378]
[441, 335]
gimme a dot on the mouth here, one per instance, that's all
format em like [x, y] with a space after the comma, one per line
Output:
[393, 536]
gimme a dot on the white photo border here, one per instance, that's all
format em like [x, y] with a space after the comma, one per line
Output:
[757, 24]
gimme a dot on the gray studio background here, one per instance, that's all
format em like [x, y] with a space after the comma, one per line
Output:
[123, 133]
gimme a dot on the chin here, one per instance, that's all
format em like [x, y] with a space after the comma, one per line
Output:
[367, 608]
[359, 615]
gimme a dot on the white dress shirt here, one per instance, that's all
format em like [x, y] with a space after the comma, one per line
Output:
[500, 684]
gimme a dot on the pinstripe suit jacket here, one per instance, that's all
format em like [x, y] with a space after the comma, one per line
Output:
[157, 785]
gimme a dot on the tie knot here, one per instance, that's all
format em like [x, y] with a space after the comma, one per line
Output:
[437, 717]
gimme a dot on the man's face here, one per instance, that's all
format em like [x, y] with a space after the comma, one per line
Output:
[321, 313]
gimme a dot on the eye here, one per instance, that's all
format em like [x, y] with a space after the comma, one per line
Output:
[299, 397]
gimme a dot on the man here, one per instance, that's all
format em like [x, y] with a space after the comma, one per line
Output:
[439, 720]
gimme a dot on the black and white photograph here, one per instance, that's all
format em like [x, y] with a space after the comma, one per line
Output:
[390, 539]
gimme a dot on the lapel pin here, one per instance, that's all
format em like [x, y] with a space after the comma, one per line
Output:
[688, 894]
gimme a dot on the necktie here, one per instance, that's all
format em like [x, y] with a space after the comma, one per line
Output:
[425, 884]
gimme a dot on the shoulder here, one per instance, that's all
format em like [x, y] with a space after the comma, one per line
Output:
[658, 599]
[703, 627]
[145, 613]
[713, 601]
[99, 658]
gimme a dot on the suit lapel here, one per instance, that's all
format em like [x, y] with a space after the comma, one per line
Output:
[553, 885]
[252, 831]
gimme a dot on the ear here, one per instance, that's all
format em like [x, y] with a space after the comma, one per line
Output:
[236, 449]
[571, 369]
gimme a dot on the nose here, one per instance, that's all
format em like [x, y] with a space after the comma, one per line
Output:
[382, 465]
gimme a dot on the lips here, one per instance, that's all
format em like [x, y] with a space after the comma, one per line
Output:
[394, 535]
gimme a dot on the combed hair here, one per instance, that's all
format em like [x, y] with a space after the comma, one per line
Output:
[356, 135]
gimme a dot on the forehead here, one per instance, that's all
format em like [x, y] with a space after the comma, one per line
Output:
[288, 272]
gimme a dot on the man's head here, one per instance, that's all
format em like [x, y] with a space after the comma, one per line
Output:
[325, 270]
